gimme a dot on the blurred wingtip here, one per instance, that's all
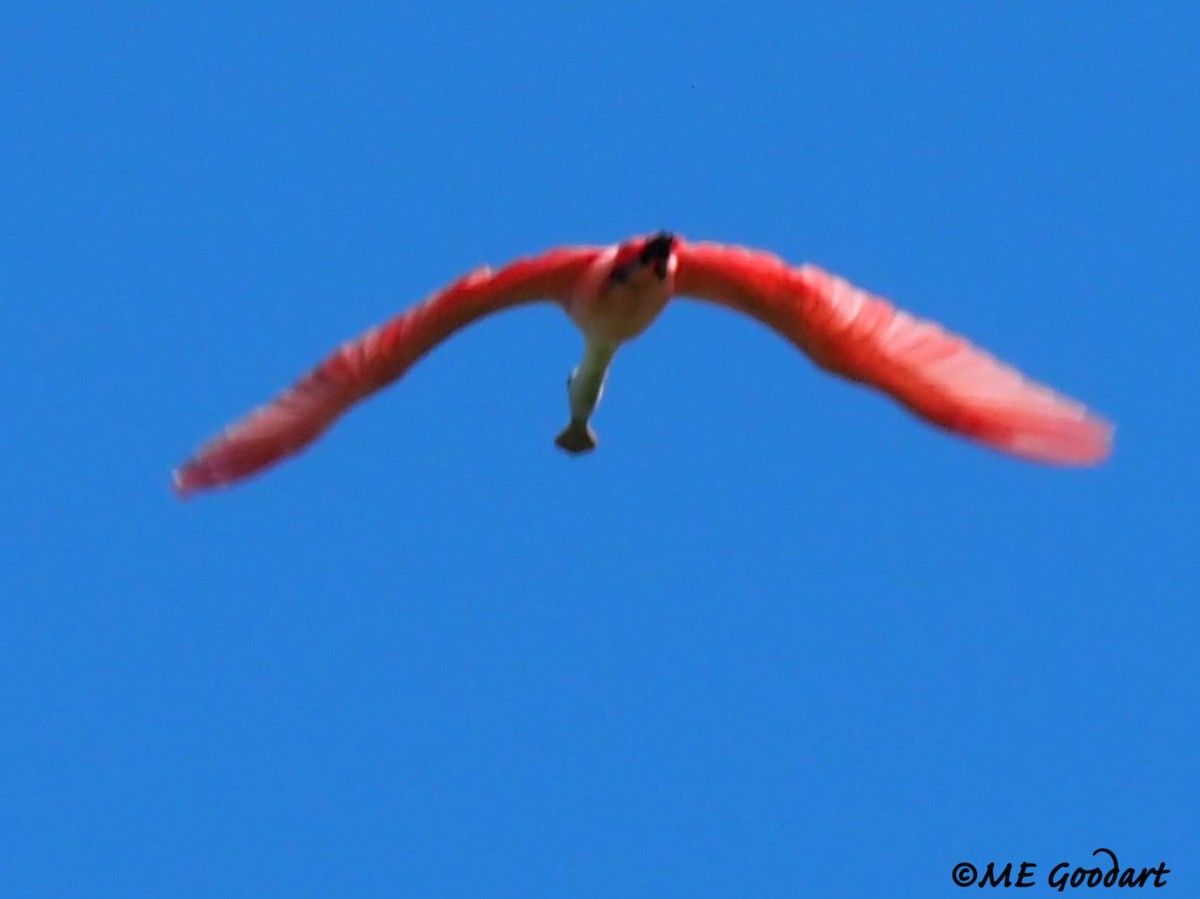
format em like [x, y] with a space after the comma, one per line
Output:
[181, 485]
[1107, 440]
[1095, 441]
[1084, 442]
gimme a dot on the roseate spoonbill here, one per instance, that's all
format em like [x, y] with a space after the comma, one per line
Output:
[613, 294]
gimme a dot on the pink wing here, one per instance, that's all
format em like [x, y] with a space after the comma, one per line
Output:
[360, 367]
[939, 376]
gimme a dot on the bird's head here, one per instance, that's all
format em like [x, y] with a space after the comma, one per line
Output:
[654, 255]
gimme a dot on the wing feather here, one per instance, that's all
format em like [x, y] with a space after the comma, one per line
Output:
[939, 376]
[359, 367]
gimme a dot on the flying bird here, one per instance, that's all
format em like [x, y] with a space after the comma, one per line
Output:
[614, 293]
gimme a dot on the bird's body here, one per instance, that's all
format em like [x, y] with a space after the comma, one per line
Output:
[614, 293]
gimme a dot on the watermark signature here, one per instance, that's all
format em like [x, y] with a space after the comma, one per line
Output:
[1107, 873]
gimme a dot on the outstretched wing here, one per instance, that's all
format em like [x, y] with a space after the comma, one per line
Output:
[939, 376]
[360, 367]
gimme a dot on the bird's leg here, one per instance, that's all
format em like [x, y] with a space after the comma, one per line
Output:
[584, 387]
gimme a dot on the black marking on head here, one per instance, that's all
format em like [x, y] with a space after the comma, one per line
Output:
[656, 251]
[658, 248]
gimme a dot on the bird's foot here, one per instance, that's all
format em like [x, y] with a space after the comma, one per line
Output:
[577, 438]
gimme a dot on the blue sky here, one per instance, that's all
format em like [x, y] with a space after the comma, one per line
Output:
[774, 638]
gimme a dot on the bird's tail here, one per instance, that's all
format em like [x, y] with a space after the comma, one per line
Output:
[578, 437]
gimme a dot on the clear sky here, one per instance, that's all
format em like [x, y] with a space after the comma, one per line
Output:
[774, 638]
